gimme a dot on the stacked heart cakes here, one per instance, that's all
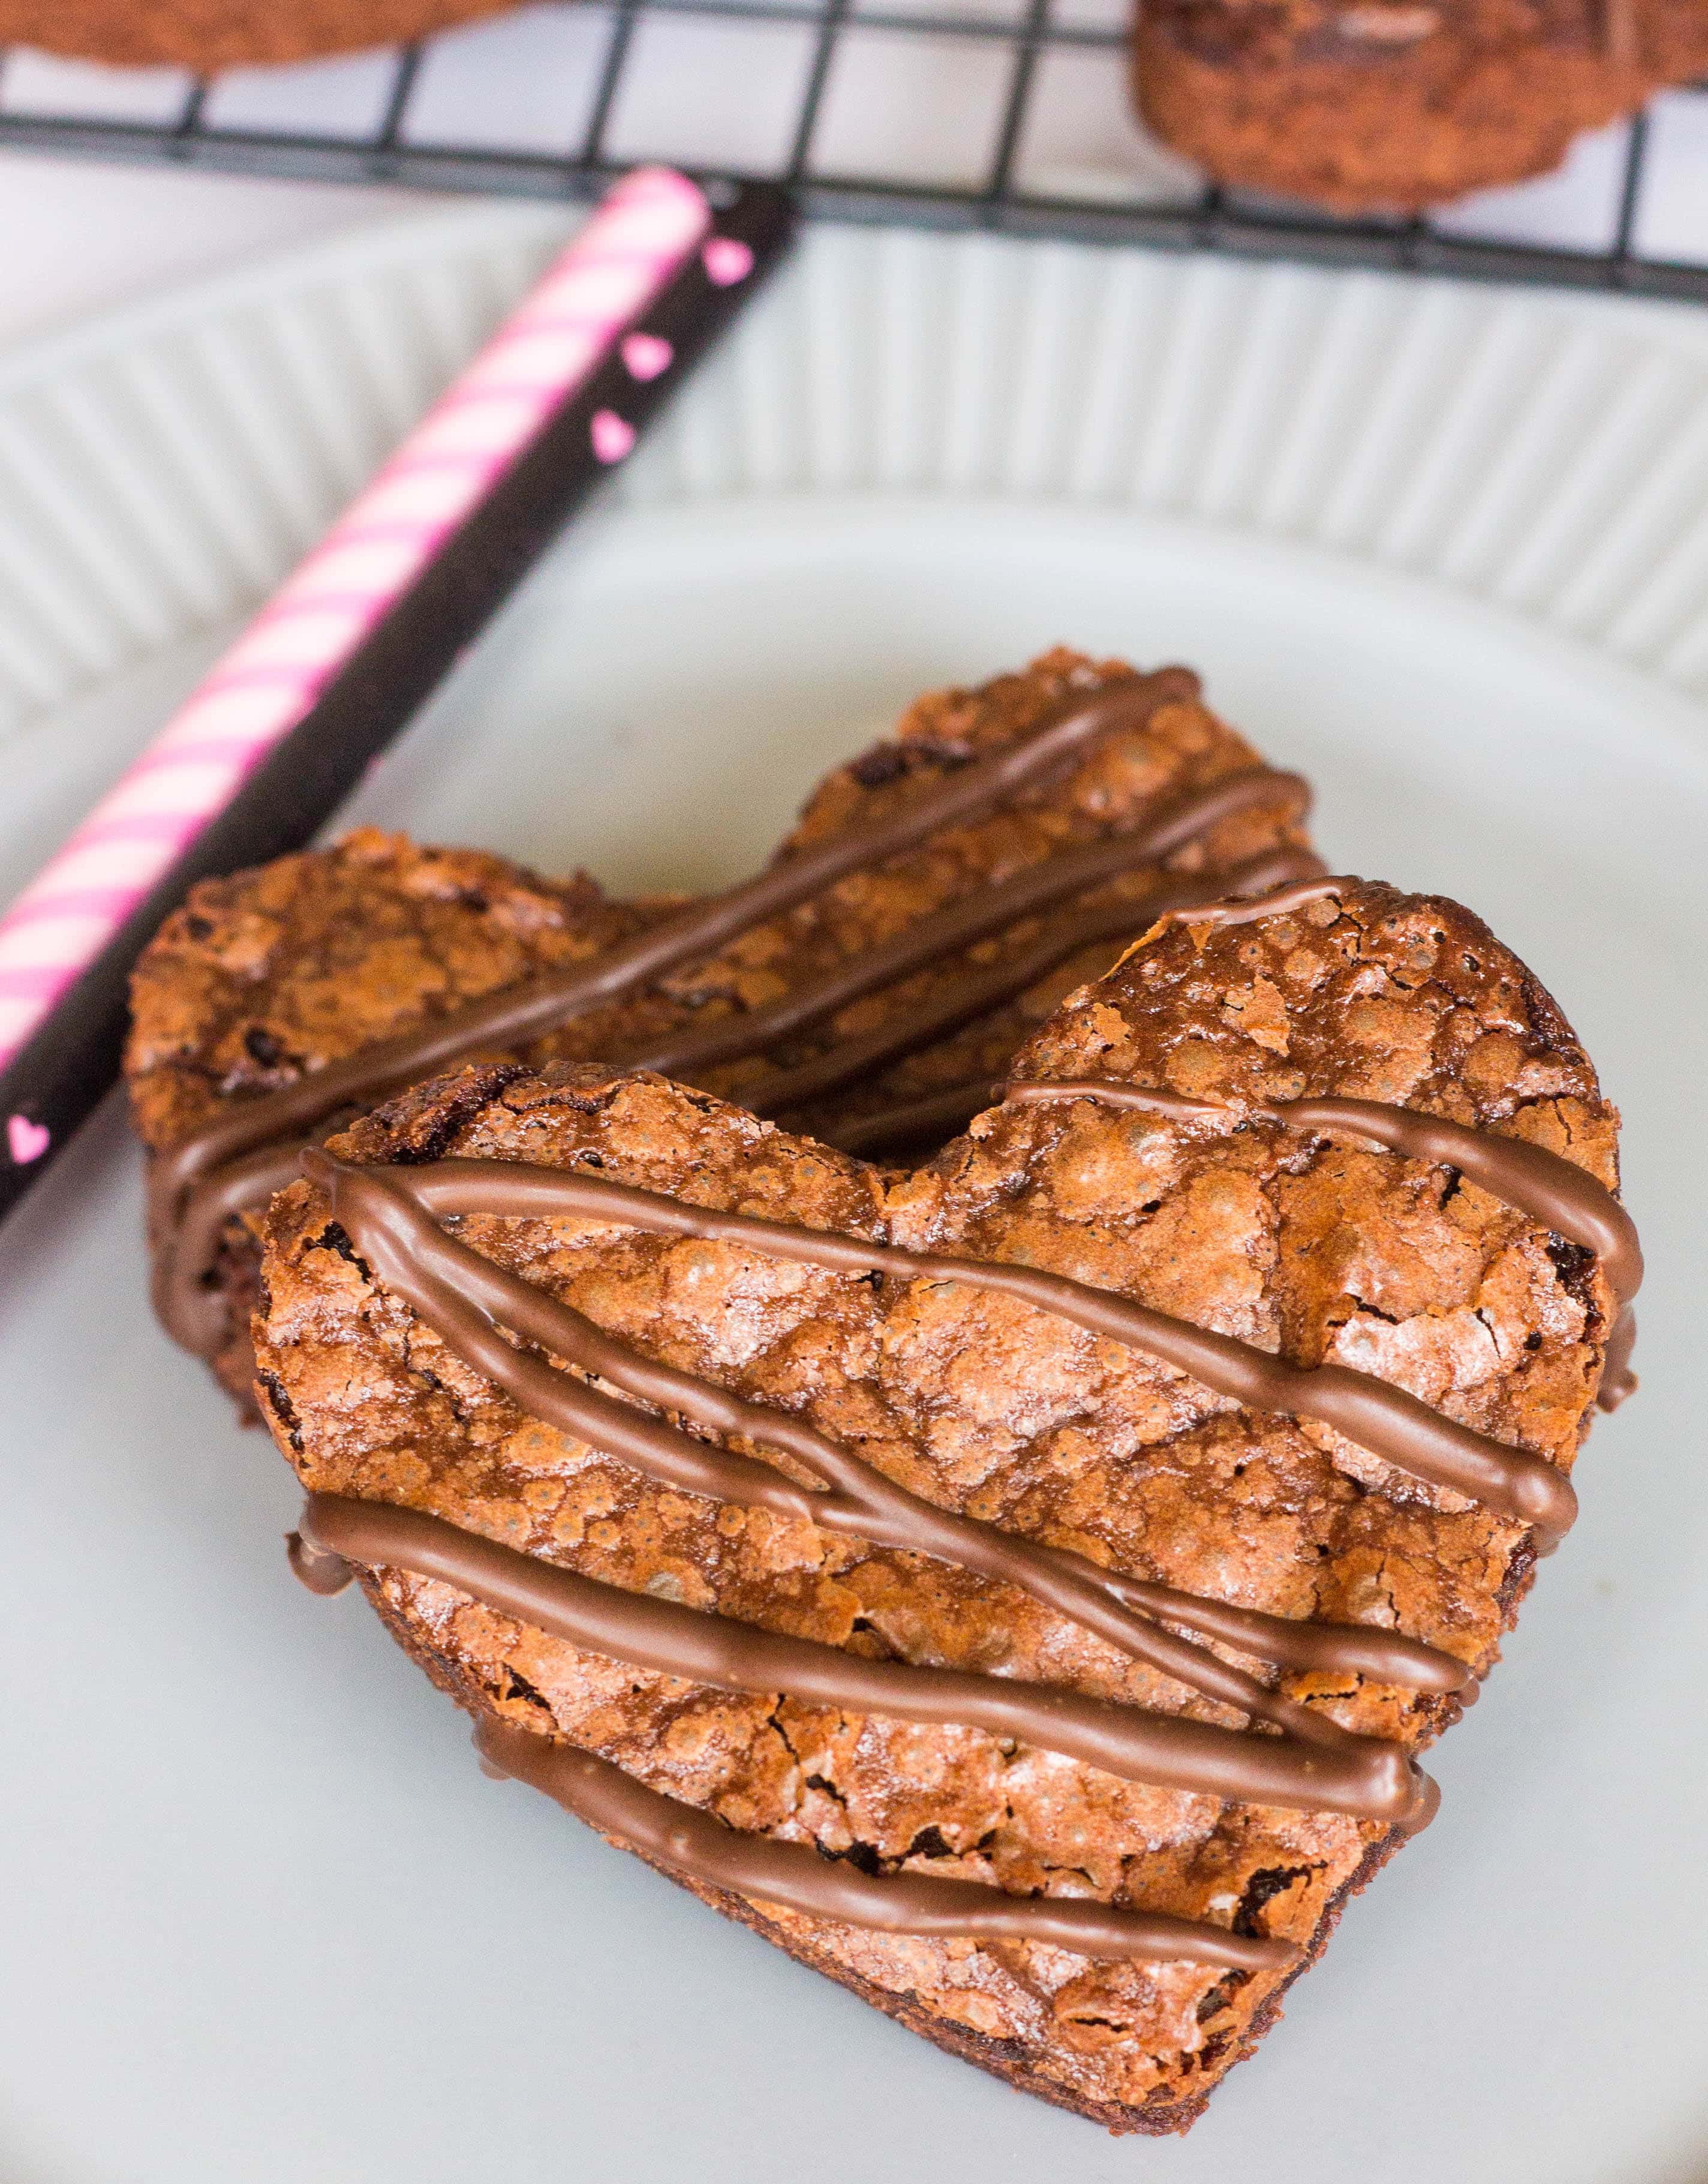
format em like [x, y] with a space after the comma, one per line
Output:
[977, 1399]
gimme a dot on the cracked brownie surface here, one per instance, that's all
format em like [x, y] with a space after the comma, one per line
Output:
[266, 977]
[1314, 1245]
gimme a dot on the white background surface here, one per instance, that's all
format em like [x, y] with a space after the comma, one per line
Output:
[74, 237]
[263, 1921]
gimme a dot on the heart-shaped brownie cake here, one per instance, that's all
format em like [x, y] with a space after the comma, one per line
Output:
[1019, 1586]
[938, 896]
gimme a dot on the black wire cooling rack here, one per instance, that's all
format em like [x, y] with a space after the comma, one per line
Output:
[1003, 198]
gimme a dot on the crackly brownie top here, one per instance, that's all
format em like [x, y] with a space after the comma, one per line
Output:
[1299, 1244]
[275, 971]
[265, 976]
[283, 1001]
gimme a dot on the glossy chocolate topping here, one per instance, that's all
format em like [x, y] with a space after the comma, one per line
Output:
[1353, 1774]
[391, 1218]
[974, 917]
[1618, 1381]
[684, 1840]
[978, 991]
[1552, 1189]
[392, 1215]
[201, 1182]
[520, 1013]
[1379, 1417]
[1236, 910]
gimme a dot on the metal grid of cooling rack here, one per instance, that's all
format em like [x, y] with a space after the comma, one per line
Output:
[198, 125]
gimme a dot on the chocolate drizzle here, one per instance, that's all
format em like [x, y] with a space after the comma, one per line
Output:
[239, 1156]
[1345, 1774]
[521, 1013]
[1381, 1417]
[391, 1217]
[697, 1847]
[1564, 1197]
[1232, 908]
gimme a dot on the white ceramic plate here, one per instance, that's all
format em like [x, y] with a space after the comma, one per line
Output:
[263, 1918]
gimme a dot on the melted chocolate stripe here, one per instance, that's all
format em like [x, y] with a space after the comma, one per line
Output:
[195, 1317]
[971, 918]
[1239, 911]
[190, 1199]
[518, 1014]
[1618, 1381]
[1379, 1417]
[686, 1840]
[1551, 1188]
[1337, 1649]
[958, 1104]
[456, 1289]
[1166, 1750]
[192, 1312]
[462, 1294]
[981, 990]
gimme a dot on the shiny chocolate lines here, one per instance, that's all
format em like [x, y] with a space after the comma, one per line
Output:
[686, 1840]
[970, 918]
[1379, 1417]
[1563, 1196]
[184, 1250]
[988, 987]
[960, 924]
[1229, 910]
[1552, 1189]
[391, 1215]
[1313, 1763]
[517, 1015]
[198, 1185]
[195, 1315]
[1355, 1775]
[693, 1844]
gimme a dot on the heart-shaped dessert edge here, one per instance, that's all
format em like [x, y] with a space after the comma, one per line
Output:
[1277, 1234]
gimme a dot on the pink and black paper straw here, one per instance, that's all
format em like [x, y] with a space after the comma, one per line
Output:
[284, 724]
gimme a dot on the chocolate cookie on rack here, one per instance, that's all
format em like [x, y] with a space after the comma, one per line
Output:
[1394, 105]
[1020, 1588]
[207, 36]
[938, 895]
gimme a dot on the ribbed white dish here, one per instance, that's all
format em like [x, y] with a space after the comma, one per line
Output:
[1442, 547]
[160, 471]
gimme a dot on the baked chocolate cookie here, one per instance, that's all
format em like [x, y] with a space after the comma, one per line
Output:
[1397, 104]
[938, 897]
[206, 35]
[1019, 1587]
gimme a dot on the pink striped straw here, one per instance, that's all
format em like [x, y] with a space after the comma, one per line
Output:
[270, 677]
